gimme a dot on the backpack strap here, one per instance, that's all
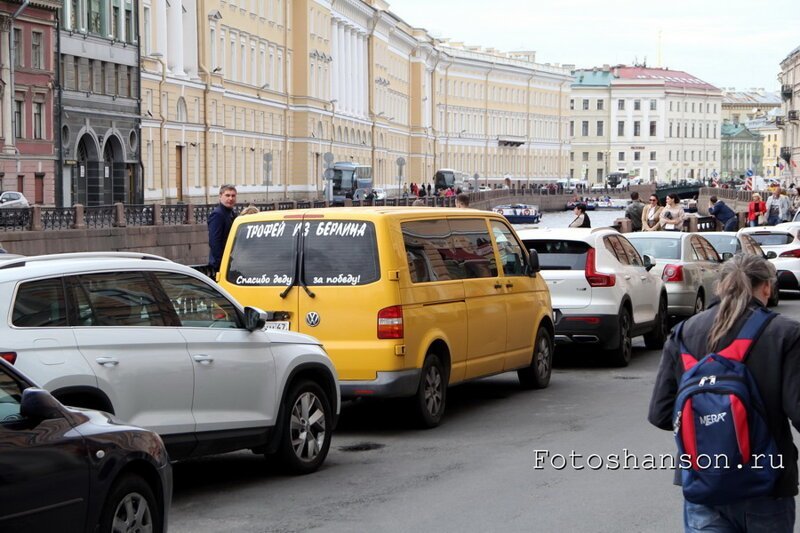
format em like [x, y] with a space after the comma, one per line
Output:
[739, 349]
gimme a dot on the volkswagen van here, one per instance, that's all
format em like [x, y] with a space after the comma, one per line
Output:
[405, 300]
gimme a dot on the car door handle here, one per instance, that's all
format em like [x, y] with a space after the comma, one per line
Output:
[643, 278]
[203, 359]
[498, 285]
[107, 361]
[509, 285]
[627, 276]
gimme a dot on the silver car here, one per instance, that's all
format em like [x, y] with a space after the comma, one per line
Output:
[13, 200]
[688, 264]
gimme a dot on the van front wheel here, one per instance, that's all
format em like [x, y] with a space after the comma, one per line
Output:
[429, 401]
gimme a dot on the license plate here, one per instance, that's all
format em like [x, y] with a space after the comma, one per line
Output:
[277, 325]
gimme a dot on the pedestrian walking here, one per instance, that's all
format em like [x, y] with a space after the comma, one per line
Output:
[651, 215]
[581, 218]
[756, 211]
[634, 211]
[767, 355]
[220, 221]
[723, 213]
[673, 215]
[778, 207]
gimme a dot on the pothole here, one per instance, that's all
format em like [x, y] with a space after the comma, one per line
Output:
[362, 447]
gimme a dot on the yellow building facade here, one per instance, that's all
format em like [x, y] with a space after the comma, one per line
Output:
[256, 92]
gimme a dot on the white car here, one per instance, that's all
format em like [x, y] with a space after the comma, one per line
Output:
[13, 200]
[688, 264]
[602, 289]
[380, 194]
[782, 246]
[163, 347]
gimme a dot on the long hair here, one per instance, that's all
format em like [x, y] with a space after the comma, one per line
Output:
[739, 276]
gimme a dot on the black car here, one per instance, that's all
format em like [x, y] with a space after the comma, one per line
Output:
[65, 469]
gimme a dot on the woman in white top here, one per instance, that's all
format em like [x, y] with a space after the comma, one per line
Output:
[651, 215]
[672, 216]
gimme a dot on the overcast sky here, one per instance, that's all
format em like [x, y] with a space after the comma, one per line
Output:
[728, 43]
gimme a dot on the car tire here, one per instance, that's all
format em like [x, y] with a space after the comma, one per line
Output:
[305, 437]
[131, 506]
[621, 355]
[537, 375]
[431, 397]
[655, 338]
[699, 303]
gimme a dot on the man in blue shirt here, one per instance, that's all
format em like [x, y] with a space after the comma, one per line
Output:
[724, 214]
[220, 221]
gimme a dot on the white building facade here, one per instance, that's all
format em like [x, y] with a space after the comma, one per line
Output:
[790, 94]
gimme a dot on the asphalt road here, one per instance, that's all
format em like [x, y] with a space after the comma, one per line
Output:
[476, 472]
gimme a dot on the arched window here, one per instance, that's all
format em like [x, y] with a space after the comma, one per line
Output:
[183, 114]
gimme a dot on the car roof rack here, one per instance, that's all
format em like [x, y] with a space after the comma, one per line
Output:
[23, 260]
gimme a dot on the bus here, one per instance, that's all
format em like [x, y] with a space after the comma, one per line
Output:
[447, 177]
[614, 178]
[350, 180]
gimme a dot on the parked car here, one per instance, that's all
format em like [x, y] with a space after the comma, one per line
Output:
[73, 469]
[13, 200]
[688, 264]
[603, 290]
[729, 243]
[782, 242]
[402, 298]
[162, 347]
[380, 194]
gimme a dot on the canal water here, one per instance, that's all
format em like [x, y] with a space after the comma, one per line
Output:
[598, 218]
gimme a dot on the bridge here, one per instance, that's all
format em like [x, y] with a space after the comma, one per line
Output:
[683, 192]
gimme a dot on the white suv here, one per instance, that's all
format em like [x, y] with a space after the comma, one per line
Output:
[163, 347]
[602, 290]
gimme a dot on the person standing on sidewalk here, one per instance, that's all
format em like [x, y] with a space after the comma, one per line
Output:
[634, 212]
[220, 221]
[778, 207]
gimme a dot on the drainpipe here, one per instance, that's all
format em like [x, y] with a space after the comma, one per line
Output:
[201, 47]
[58, 173]
[286, 109]
[159, 57]
[370, 76]
[12, 65]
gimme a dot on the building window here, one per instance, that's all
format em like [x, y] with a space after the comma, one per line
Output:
[686, 130]
[585, 156]
[147, 35]
[73, 15]
[621, 156]
[585, 128]
[621, 105]
[653, 105]
[652, 128]
[652, 156]
[637, 156]
[637, 105]
[692, 107]
[670, 156]
[599, 156]
[585, 104]
[37, 58]
[572, 156]
[38, 120]
[572, 128]
[130, 34]
[571, 101]
[600, 175]
[17, 47]
[600, 104]
[600, 128]
[637, 128]
[94, 20]
[115, 26]
[18, 125]
[621, 127]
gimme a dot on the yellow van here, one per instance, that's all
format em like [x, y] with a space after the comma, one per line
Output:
[405, 300]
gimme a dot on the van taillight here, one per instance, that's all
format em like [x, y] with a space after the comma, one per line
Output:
[595, 278]
[9, 357]
[673, 273]
[390, 323]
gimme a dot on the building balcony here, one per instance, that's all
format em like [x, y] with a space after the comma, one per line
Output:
[786, 153]
[786, 92]
[794, 115]
[510, 140]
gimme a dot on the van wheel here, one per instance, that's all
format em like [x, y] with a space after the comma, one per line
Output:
[429, 403]
[131, 506]
[306, 432]
[655, 338]
[537, 375]
[621, 355]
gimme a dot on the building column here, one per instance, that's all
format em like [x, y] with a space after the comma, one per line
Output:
[348, 71]
[341, 65]
[175, 38]
[161, 29]
[5, 77]
[190, 37]
[362, 74]
[334, 66]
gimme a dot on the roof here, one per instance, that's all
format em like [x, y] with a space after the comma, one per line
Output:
[592, 78]
[623, 74]
[752, 98]
[729, 129]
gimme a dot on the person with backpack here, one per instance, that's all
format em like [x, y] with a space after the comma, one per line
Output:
[730, 409]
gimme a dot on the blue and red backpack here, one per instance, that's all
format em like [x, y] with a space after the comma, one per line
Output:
[726, 451]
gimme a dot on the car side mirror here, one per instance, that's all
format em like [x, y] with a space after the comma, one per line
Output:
[771, 255]
[254, 318]
[649, 262]
[533, 263]
[38, 405]
[727, 255]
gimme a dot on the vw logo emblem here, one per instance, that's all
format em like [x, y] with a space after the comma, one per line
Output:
[312, 319]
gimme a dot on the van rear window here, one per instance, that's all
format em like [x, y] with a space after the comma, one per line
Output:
[336, 252]
[559, 255]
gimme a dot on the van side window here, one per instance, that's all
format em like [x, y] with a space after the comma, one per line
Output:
[340, 252]
[511, 255]
[429, 251]
[472, 248]
[40, 304]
